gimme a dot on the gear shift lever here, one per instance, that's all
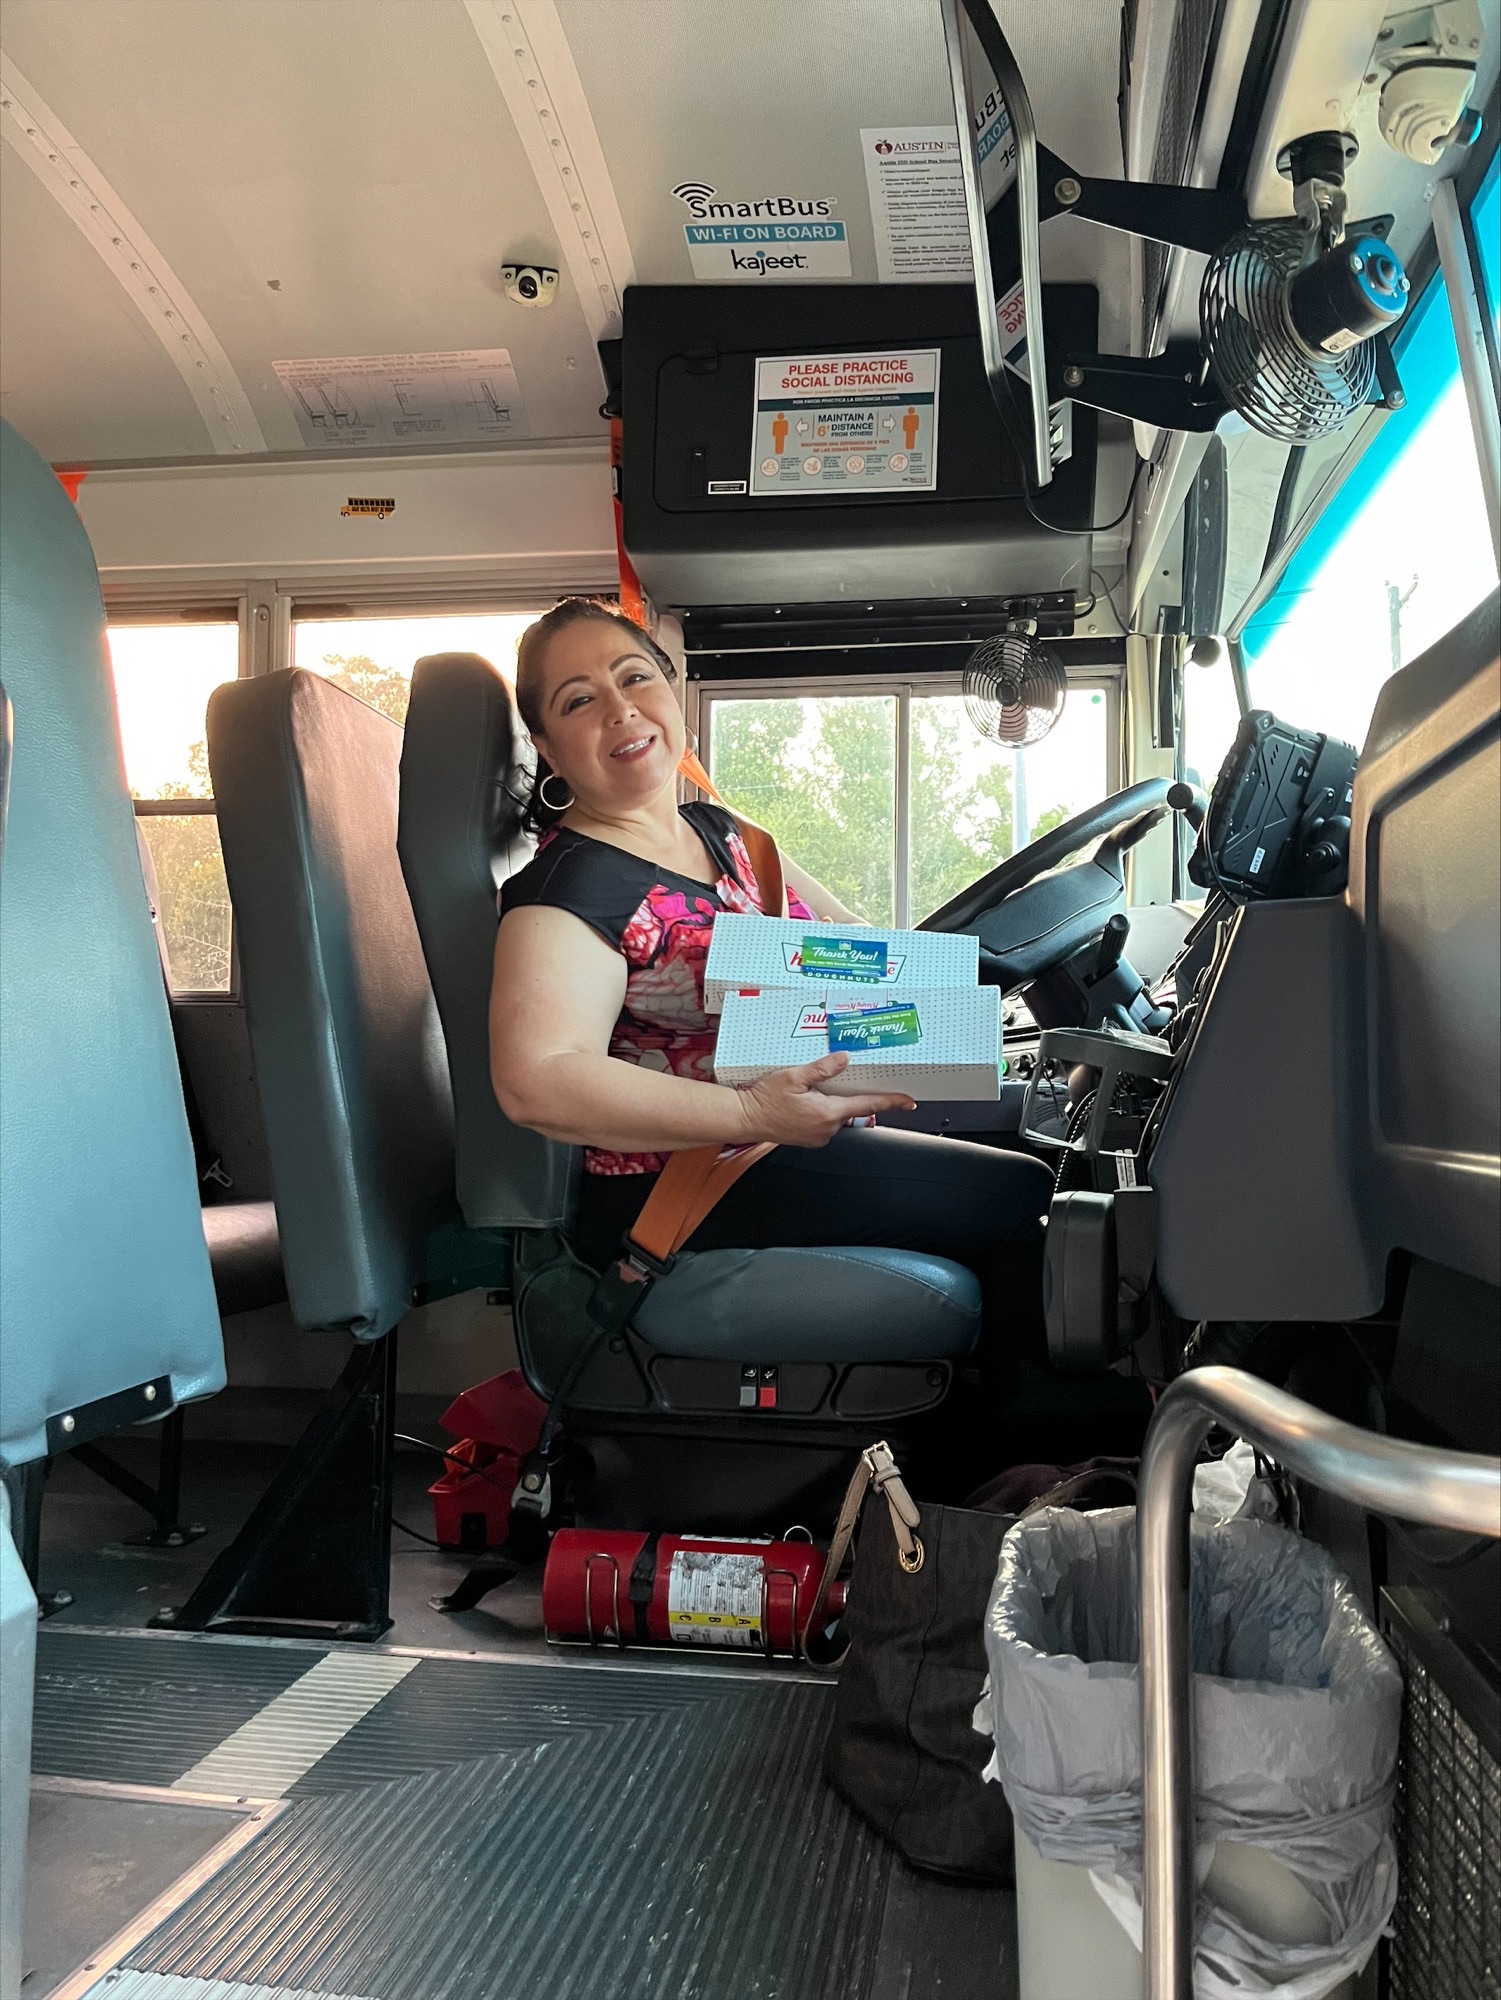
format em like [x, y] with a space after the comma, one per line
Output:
[1112, 945]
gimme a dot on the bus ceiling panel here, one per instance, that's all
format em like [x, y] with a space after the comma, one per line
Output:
[524, 518]
[80, 370]
[1329, 75]
[786, 100]
[323, 181]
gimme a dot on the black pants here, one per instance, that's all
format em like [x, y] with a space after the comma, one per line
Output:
[903, 1190]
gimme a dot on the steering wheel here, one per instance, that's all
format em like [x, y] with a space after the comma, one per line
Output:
[1031, 912]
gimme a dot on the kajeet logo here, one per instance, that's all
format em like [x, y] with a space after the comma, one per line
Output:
[704, 204]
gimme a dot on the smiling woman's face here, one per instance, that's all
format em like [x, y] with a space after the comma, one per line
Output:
[610, 724]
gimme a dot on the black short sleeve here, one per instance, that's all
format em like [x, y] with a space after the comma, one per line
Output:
[603, 886]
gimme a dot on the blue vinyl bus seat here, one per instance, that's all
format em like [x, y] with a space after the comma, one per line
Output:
[105, 1285]
[349, 1056]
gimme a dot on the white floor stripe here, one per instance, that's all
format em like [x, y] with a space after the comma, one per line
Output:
[176, 1986]
[266, 1756]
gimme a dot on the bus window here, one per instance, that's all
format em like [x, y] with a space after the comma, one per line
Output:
[1485, 226]
[823, 773]
[1399, 556]
[974, 801]
[374, 657]
[1211, 716]
[818, 771]
[164, 675]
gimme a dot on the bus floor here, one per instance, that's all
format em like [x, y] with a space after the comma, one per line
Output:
[459, 1813]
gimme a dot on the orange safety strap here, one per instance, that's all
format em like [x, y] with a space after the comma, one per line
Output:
[632, 598]
[765, 859]
[687, 1188]
[692, 1182]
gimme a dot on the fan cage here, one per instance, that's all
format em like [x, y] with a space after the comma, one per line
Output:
[1258, 362]
[1014, 689]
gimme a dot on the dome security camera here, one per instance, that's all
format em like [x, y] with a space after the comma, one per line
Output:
[529, 284]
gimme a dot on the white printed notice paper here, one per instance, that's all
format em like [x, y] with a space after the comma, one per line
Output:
[916, 189]
[468, 396]
[867, 421]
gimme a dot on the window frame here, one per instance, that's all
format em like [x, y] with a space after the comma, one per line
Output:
[139, 609]
[700, 698]
[1308, 531]
[264, 609]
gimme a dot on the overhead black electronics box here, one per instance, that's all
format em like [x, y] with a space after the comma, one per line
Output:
[814, 444]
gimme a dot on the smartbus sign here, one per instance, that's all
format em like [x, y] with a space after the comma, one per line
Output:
[777, 237]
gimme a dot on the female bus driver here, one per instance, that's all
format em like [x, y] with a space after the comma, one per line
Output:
[598, 1035]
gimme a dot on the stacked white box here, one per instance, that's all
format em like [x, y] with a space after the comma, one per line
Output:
[765, 954]
[956, 1053]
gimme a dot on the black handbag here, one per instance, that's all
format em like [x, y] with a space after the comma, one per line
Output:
[902, 1749]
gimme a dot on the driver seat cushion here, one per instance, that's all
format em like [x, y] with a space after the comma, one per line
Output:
[839, 1304]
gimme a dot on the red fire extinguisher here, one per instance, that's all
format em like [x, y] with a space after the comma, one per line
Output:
[623, 1587]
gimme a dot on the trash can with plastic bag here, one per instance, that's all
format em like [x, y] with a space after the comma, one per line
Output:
[1297, 1707]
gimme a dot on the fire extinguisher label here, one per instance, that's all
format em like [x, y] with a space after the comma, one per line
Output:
[714, 1599]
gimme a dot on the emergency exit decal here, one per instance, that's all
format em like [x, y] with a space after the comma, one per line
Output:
[866, 421]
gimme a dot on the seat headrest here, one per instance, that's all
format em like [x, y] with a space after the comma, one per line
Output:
[464, 769]
[348, 1054]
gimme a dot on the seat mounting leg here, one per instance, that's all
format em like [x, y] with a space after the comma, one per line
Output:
[314, 1558]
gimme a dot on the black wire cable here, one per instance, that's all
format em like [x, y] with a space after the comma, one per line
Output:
[1098, 527]
[1095, 577]
[484, 1472]
[452, 1457]
[417, 1536]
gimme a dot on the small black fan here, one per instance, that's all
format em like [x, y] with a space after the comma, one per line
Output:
[1014, 688]
[1289, 311]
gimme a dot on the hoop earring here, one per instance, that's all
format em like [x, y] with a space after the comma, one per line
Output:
[550, 804]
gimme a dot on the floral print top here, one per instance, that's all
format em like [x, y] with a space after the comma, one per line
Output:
[660, 923]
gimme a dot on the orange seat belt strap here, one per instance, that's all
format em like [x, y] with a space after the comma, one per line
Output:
[693, 1181]
[687, 1188]
[765, 858]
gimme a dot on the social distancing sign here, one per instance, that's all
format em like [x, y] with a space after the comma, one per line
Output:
[862, 421]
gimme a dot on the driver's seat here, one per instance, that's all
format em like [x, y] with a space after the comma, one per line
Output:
[733, 1349]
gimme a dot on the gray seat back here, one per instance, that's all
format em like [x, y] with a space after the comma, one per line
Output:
[463, 768]
[104, 1280]
[348, 1053]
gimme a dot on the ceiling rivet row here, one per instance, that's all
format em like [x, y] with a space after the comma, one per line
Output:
[132, 267]
[531, 75]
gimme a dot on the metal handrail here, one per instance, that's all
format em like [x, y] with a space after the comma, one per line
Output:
[1028, 189]
[1443, 1489]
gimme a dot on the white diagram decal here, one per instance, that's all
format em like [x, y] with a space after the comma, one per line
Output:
[469, 396]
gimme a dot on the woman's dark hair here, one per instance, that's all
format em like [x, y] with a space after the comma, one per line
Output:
[536, 815]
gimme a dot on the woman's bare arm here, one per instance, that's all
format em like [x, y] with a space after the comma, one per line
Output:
[557, 993]
[821, 901]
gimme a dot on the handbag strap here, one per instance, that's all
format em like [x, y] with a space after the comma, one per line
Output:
[1079, 1482]
[876, 1467]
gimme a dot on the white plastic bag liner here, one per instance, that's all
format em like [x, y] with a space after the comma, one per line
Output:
[1297, 1705]
[1231, 1489]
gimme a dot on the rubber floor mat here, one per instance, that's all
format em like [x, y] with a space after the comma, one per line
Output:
[142, 1711]
[491, 1830]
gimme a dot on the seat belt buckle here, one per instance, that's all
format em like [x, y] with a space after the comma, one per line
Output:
[644, 1262]
[623, 1284]
[533, 1492]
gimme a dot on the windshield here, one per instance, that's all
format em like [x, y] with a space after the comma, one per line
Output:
[1402, 552]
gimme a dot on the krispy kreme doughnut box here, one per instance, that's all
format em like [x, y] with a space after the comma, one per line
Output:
[933, 1042]
[791, 955]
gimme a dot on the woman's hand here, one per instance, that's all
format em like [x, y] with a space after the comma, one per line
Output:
[788, 1107]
